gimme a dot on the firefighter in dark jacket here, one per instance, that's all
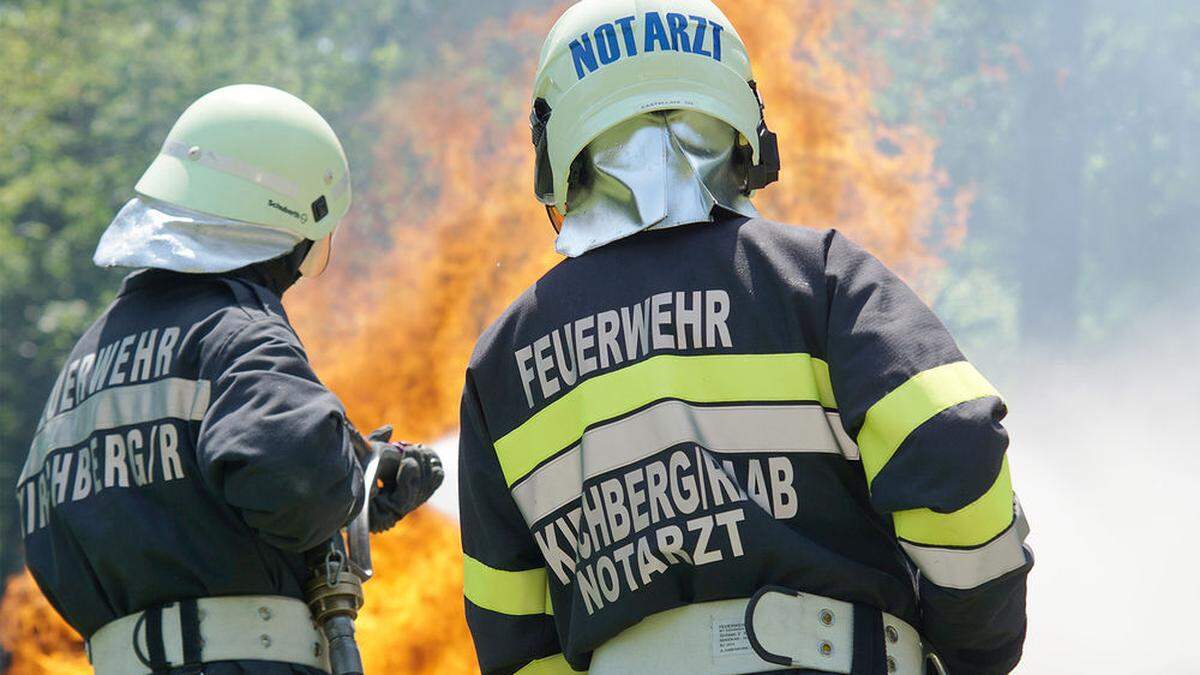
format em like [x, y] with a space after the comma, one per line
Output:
[188, 456]
[710, 443]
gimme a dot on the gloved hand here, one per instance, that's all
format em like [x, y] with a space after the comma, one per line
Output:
[408, 477]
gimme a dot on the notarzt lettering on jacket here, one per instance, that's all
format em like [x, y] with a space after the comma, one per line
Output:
[665, 321]
[682, 508]
[626, 37]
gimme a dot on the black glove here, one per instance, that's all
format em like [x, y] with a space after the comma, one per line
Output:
[408, 476]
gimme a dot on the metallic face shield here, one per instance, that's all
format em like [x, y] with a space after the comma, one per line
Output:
[654, 171]
[148, 233]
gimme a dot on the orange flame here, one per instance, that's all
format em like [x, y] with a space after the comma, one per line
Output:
[448, 233]
[38, 641]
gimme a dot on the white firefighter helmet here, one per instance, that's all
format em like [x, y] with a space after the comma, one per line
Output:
[245, 164]
[607, 61]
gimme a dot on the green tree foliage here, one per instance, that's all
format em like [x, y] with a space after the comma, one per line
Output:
[1077, 122]
[88, 90]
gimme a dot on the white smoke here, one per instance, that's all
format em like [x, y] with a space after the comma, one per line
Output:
[1106, 458]
[446, 498]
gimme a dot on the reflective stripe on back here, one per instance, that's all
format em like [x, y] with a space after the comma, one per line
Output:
[696, 379]
[116, 407]
[782, 428]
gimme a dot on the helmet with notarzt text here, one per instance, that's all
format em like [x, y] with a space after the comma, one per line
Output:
[255, 154]
[607, 61]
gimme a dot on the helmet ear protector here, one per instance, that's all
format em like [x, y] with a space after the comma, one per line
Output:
[543, 179]
[766, 171]
[758, 176]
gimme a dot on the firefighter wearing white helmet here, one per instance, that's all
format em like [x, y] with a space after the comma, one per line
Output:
[247, 174]
[188, 462]
[604, 70]
[707, 443]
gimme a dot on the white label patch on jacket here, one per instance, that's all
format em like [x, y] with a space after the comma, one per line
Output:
[729, 637]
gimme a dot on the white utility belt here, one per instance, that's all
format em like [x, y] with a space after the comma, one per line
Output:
[192, 632]
[777, 629]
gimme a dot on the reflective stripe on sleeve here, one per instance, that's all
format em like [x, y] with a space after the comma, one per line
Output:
[552, 665]
[894, 417]
[782, 428]
[967, 568]
[977, 523]
[520, 593]
[723, 378]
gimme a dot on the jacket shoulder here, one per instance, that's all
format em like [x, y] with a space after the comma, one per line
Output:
[786, 234]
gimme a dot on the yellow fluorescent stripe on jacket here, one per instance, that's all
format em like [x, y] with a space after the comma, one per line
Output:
[972, 525]
[515, 593]
[553, 665]
[722, 378]
[824, 384]
[894, 417]
[912, 404]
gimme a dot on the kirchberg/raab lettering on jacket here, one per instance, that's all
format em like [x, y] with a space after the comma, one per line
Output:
[110, 422]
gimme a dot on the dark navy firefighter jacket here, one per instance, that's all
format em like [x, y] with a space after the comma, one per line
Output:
[187, 451]
[692, 414]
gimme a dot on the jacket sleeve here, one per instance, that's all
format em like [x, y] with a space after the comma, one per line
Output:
[928, 428]
[507, 600]
[275, 442]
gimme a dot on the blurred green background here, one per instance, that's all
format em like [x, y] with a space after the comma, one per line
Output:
[1075, 123]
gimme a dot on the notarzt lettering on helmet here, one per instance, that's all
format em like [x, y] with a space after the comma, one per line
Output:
[610, 42]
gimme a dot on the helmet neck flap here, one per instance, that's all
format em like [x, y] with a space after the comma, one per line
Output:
[655, 171]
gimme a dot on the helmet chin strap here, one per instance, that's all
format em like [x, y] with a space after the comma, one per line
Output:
[556, 218]
[317, 259]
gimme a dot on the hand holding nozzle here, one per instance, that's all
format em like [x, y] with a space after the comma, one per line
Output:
[399, 478]
[408, 474]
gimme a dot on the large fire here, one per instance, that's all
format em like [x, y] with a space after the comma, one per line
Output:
[447, 232]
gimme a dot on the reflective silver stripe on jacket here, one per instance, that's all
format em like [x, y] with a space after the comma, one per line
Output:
[117, 407]
[967, 568]
[803, 428]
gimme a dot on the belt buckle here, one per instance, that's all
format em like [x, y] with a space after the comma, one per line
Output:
[796, 632]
